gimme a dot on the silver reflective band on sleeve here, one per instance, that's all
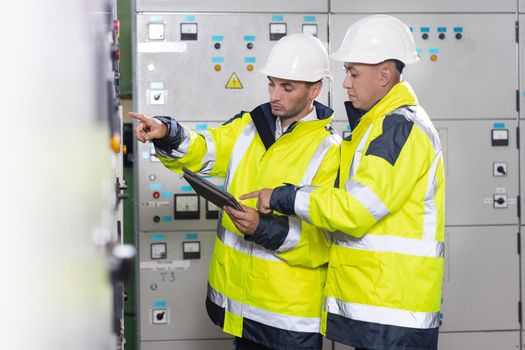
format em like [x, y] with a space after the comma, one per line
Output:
[239, 150]
[317, 159]
[209, 158]
[302, 203]
[234, 241]
[430, 215]
[294, 234]
[286, 322]
[382, 315]
[367, 198]
[183, 147]
[359, 151]
[391, 244]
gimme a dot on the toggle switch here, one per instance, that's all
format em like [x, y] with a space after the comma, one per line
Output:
[499, 169]
[500, 201]
[160, 316]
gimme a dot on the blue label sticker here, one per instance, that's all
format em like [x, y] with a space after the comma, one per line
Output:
[309, 18]
[442, 29]
[167, 218]
[277, 18]
[157, 237]
[156, 18]
[145, 154]
[155, 187]
[217, 59]
[192, 236]
[419, 51]
[201, 126]
[156, 85]
[249, 38]
[433, 51]
[186, 188]
[498, 125]
[167, 194]
[189, 18]
[217, 37]
[249, 59]
[159, 303]
[458, 29]
[425, 29]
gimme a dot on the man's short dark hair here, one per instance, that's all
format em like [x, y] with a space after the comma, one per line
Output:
[399, 66]
[310, 83]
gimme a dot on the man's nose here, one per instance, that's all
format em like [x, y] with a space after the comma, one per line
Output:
[275, 95]
[347, 83]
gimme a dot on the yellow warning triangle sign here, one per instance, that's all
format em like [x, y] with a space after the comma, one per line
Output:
[234, 82]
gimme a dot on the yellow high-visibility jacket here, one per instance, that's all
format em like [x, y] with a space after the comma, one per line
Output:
[384, 282]
[266, 287]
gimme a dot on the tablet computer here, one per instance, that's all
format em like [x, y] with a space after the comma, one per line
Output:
[209, 191]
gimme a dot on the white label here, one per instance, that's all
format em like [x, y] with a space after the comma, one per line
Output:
[487, 200]
[151, 47]
[165, 265]
[501, 190]
[512, 201]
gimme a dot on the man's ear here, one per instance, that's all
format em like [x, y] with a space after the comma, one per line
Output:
[386, 74]
[315, 90]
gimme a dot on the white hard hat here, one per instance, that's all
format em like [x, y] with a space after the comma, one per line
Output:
[298, 57]
[375, 39]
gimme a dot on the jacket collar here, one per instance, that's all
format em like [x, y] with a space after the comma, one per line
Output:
[400, 95]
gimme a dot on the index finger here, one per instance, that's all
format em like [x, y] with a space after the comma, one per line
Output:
[253, 194]
[137, 116]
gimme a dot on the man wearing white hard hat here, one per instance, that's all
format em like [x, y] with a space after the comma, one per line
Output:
[265, 288]
[385, 273]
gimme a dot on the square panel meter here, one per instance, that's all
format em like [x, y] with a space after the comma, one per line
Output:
[187, 206]
[500, 137]
[188, 31]
[159, 251]
[277, 31]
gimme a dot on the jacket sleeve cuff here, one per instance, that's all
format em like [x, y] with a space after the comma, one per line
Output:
[271, 231]
[173, 138]
[283, 199]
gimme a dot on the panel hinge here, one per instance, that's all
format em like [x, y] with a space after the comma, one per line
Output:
[517, 100]
[519, 311]
[519, 243]
[518, 205]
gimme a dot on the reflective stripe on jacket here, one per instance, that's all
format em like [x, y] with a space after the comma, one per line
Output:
[270, 296]
[384, 281]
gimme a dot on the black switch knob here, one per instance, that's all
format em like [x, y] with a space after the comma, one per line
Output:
[160, 316]
[156, 218]
[442, 36]
[501, 170]
[500, 200]
[249, 46]
[459, 36]
[425, 36]
[217, 46]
